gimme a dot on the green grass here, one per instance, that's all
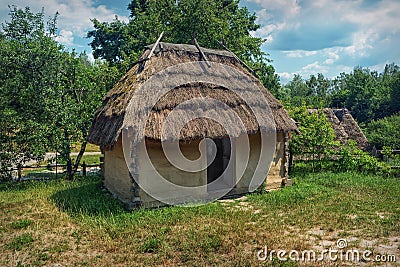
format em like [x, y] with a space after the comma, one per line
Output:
[79, 223]
[19, 242]
[20, 224]
[89, 159]
[89, 148]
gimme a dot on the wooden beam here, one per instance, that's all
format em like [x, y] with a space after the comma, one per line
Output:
[151, 51]
[155, 45]
[201, 52]
[238, 59]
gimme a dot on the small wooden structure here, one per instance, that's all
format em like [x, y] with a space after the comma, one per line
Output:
[112, 118]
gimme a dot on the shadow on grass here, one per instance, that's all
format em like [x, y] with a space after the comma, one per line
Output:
[87, 198]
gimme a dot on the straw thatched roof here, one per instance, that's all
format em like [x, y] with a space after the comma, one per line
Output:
[117, 111]
[345, 127]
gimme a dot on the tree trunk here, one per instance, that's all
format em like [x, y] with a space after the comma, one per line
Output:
[67, 152]
[70, 173]
[80, 155]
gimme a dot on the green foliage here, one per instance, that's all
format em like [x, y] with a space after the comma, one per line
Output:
[47, 95]
[27, 74]
[207, 20]
[384, 132]
[367, 94]
[316, 139]
[314, 91]
[352, 158]
[316, 144]
[390, 157]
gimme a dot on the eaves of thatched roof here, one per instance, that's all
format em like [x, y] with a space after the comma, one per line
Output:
[112, 116]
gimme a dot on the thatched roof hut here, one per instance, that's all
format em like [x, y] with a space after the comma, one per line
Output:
[345, 127]
[116, 112]
[109, 119]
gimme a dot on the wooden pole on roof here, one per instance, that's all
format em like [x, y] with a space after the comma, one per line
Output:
[238, 59]
[201, 51]
[154, 46]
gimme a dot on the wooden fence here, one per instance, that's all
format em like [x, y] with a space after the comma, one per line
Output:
[378, 153]
[84, 167]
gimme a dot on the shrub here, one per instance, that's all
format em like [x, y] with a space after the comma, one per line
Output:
[316, 139]
[384, 132]
[316, 145]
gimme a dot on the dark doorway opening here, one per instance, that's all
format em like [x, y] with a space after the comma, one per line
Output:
[224, 153]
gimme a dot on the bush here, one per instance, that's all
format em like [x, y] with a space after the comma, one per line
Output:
[317, 148]
[352, 158]
[316, 139]
[384, 132]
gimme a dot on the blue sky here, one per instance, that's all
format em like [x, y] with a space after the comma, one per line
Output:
[303, 37]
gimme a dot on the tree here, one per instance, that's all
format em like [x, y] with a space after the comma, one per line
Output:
[363, 93]
[206, 20]
[82, 86]
[384, 132]
[391, 79]
[299, 91]
[316, 139]
[48, 95]
[27, 72]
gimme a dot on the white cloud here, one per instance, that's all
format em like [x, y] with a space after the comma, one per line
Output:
[300, 53]
[332, 57]
[329, 36]
[65, 37]
[285, 77]
[74, 15]
[91, 57]
[314, 68]
[283, 7]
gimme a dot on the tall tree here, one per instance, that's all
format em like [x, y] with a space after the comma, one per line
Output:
[300, 92]
[28, 71]
[48, 95]
[207, 20]
[367, 94]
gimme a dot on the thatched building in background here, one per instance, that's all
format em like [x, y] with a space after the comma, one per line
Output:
[345, 127]
[112, 118]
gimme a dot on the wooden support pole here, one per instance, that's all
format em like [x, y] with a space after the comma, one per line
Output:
[19, 172]
[84, 168]
[102, 166]
[151, 51]
[155, 45]
[201, 52]
[238, 59]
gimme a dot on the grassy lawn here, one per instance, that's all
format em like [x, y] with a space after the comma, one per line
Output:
[88, 159]
[79, 224]
[89, 148]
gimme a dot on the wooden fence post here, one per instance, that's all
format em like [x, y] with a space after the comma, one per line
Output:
[84, 168]
[102, 166]
[19, 173]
